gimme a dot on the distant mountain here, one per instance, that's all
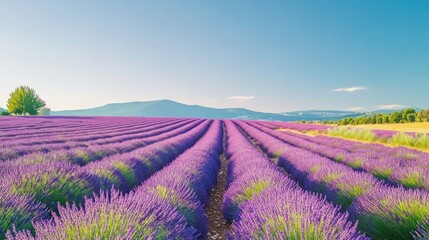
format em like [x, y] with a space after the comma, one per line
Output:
[168, 108]
[322, 114]
[388, 111]
[2, 110]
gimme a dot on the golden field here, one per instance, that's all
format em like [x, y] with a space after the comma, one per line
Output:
[422, 127]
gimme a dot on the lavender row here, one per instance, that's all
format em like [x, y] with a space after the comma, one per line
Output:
[12, 149]
[383, 212]
[18, 148]
[169, 205]
[263, 203]
[52, 183]
[126, 170]
[82, 156]
[396, 165]
[54, 126]
[15, 152]
[79, 133]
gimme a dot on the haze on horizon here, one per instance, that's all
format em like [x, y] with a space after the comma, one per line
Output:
[277, 57]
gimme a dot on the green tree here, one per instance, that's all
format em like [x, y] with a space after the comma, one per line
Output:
[411, 117]
[409, 110]
[419, 117]
[395, 117]
[379, 119]
[386, 118]
[424, 114]
[24, 100]
[44, 111]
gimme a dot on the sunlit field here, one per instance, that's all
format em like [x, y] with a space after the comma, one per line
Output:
[163, 178]
[402, 127]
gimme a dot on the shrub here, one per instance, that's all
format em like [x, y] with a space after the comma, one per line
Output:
[353, 133]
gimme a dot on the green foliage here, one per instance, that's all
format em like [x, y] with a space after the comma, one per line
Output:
[420, 140]
[353, 133]
[44, 111]
[339, 158]
[24, 100]
[4, 114]
[253, 190]
[52, 187]
[413, 180]
[293, 228]
[330, 177]
[357, 163]
[395, 222]
[127, 173]
[348, 193]
[408, 115]
[382, 172]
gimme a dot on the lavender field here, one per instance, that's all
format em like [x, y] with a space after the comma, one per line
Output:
[182, 178]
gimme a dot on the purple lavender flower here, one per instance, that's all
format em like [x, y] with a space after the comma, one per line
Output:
[18, 211]
[391, 213]
[114, 216]
[285, 213]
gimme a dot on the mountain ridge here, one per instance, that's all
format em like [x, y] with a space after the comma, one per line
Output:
[169, 108]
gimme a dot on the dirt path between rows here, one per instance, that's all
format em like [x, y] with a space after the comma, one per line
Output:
[217, 225]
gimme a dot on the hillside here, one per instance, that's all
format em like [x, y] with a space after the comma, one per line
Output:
[322, 114]
[168, 108]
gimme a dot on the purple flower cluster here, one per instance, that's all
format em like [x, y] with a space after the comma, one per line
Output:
[113, 216]
[264, 204]
[369, 198]
[125, 171]
[18, 211]
[60, 182]
[393, 213]
[92, 151]
[57, 138]
[397, 165]
[150, 178]
[169, 205]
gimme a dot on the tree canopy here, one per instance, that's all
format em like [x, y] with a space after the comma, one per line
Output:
[408, 115]
[24, 100]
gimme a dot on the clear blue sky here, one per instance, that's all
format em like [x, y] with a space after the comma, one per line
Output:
[264, 55]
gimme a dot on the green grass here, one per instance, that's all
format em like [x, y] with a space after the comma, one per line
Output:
[419, 141]
[353, 133]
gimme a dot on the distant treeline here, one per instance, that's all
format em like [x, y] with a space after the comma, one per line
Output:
[408, 115]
